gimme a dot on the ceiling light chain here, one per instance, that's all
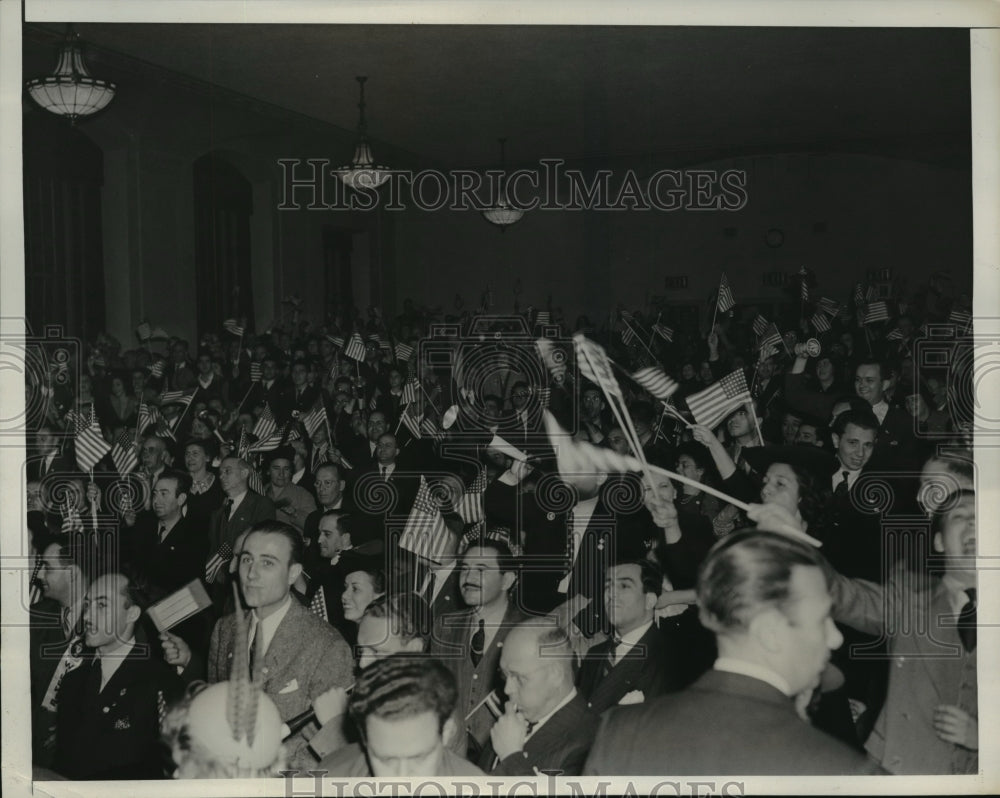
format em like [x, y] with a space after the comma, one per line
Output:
[362, 171]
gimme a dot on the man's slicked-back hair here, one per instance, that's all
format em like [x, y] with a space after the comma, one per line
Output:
[748, 572]
[182, 480]
[864, 419]
[289, 532]
[402, 686]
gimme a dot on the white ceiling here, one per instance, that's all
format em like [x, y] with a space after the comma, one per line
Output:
[447, 92]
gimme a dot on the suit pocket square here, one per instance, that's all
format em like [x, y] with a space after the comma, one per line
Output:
[632, 697]
[291, 687]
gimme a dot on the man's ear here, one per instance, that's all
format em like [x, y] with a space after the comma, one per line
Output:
[651, 599]
[938, 543]
[294, 573]
[507, 580]
[836, 439]
[182, 499]
[132, 613]
[765, 629]
[885, 385]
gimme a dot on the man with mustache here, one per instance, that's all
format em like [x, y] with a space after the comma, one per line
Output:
[469, 642]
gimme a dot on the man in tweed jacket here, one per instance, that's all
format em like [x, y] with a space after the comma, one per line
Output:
[300, 656]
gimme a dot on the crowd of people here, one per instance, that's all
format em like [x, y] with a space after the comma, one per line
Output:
[388, 553]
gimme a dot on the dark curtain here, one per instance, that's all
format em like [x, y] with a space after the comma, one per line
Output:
[338, 288]
[64, 257]
[223, 203]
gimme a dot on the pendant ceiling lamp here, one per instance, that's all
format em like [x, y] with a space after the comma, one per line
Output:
[71, 91]
[362, 171]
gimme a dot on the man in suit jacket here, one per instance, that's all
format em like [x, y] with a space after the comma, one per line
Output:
[469, 642]
[108, 715]
[766, 597]
[166, 547]
[242, 507]
[386, 472]
[546, 725]
[303, 656]
[293, 504]
[56, 633]
[929, 723]
[634, 665]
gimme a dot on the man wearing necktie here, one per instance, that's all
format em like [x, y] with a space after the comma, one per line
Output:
[929, 723]
[634, 665]
[108, 715]
[469, 642]
[546, 725]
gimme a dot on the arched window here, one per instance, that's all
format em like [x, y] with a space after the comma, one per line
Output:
[223, 203]
[63, 250]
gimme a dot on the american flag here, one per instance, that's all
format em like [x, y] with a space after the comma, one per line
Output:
[961, 317]
[666, 333]
[859, 295]
[318, 604]
[373, 402]
[410, 391]
[759, 325]
[71, 521]
[820, 322]
[231, 326]
[895, 334]
[804, 285]
[147, 415]
[771, 339]
[429, 429]
[594, 365]
[544, 396]
[425, 533]
[726, 300]
[254, 481]
[268, 444]
[654, 380]
[244, 443]
[876, 311]
[355, 348]
[829, 307]
[177, 397]
[35, 589]
[412, 422]
[628, 335]
[144, 331]
[543, 317]
[158, 368]
[315, 419]
[376, 339]
[579, 457]
[90, 444]
[266, 426]
[404, 352]
[255, 372]
[123, 453]
[713, 404]
[336, 340]
[220, 558]
[872, 293]
[470, 506]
